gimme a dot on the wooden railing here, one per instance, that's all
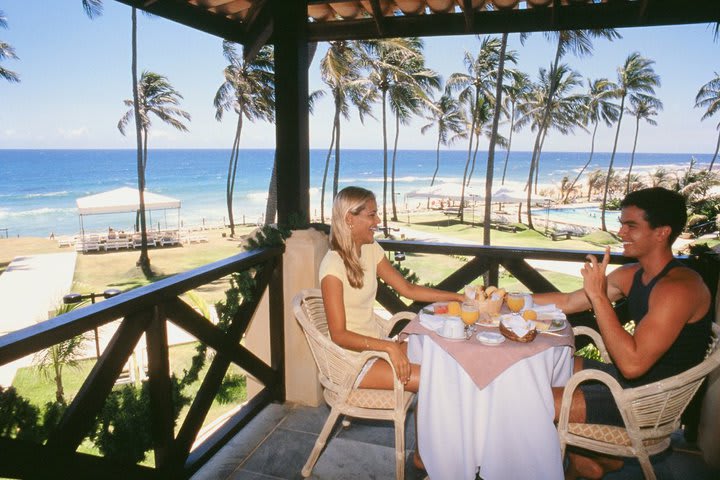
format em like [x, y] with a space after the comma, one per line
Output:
[146, 311]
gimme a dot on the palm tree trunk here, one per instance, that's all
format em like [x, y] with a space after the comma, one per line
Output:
[385, 163]
[392, 173]
[325, 172]
[473, 112]
[543, 126]
[612, 160]
[144, 261]
[336, 172]
[474, 158]
[493, 139]
[59, 390]
[271, 206]
[507, 154]
[717, 147]
[437, 161]
[537, 167]
[592, 151]
[632, 155]
[230, 183]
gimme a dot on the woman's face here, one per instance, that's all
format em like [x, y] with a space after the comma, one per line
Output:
[362, 225]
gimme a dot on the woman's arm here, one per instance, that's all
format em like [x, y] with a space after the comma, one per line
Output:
[332, 294]
[392, 277]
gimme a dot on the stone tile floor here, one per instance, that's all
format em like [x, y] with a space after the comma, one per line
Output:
[276, 444]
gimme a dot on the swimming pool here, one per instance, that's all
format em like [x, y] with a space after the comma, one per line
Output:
[587, 216]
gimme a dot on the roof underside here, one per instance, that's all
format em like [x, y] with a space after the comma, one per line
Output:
[250, 23]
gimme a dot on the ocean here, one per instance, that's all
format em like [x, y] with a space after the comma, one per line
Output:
[38, 188]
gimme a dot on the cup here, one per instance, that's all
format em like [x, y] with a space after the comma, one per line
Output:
[515, 301]
[452, 328]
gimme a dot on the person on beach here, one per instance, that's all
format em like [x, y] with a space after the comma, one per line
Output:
[670, 304]
[348, 280]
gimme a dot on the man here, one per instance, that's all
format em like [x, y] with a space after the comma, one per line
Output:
[669, 303]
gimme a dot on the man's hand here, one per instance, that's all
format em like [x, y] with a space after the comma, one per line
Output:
[594, 277]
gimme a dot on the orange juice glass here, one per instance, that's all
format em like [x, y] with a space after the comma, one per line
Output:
[469, 313]
[515, 301]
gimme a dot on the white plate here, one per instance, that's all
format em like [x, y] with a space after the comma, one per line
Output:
[490, 338]
[439, 332]
[556, 325]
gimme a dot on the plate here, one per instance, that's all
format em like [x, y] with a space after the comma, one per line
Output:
[490, 338]
[556, 325]
[452, 339]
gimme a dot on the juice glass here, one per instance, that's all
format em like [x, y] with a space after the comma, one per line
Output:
[469, 314]
[515, 301]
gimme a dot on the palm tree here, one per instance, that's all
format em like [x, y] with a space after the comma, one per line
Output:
[51, 361]
[564, 114]
[340, 70]
[155, 95]
[635, 77]
[567, 188]
[449, 118]
[643, 107]
[708, 97]
[387, 61]
[7, 51]
[409, 93]
[660, 178]
[596, 179]
[476, 86]
[598, 107]
[515, 92]
[578, 42]
[249, 91]
[93, 8]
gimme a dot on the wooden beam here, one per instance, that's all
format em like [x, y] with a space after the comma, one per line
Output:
[193, 16]
[567, 17]
[291, 120]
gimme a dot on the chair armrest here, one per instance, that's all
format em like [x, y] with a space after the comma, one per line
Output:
[387, 325]
[583, 376]
[597, 340]
[398, 387]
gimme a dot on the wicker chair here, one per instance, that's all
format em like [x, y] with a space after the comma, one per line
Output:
[338, 371]
[650, 412]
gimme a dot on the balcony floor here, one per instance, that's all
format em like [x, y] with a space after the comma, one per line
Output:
[275, 445]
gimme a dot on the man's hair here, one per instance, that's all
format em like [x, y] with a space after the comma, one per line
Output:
[662, 207]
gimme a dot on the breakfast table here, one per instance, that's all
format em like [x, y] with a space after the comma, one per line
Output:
[488, 408]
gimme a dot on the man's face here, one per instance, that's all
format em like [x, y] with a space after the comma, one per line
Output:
[637, 235]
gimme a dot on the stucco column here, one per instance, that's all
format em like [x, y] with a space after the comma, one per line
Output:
[304, 251]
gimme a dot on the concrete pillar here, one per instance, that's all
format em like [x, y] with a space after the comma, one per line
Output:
[304, 251]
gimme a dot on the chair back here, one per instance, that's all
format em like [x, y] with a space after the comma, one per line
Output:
[337, 366]
[657, 407]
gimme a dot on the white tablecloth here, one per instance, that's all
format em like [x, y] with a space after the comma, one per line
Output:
[506, 428]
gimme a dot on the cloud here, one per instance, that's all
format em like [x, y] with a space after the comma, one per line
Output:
[74, 133]
[10, 132]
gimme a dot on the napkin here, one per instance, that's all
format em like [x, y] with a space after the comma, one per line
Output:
[518, 325]
[431, 322]
[549, 312]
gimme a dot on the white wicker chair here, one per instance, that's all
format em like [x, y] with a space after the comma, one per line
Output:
[650, 412]
[338, 371]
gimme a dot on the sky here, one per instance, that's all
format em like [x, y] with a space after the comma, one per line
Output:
[75, 74]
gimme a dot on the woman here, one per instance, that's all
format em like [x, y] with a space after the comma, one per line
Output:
[348, 279]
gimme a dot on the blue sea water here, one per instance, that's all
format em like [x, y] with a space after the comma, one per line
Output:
[38, 188]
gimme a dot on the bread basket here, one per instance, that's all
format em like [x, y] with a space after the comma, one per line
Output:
[511, 335]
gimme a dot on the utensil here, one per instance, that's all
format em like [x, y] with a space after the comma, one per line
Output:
[555, 334]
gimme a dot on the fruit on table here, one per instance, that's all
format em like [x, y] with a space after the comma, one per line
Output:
[529, 314]
[453, 308]
[440, 309]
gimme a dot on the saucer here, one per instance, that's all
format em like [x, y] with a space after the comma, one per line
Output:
[490, 338]
[439, 332]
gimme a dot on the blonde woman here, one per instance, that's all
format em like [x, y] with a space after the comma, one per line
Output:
[348, 279]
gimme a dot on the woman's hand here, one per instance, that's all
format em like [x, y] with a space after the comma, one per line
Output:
[400, 361]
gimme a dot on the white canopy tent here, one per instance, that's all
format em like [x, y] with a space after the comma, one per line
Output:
[122, 200]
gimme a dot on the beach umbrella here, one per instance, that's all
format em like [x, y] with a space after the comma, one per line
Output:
[448, 191]
[511, 195]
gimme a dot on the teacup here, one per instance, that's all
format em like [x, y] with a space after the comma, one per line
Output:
[453, 327]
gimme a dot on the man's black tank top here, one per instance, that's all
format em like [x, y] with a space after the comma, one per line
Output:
[691, 344]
